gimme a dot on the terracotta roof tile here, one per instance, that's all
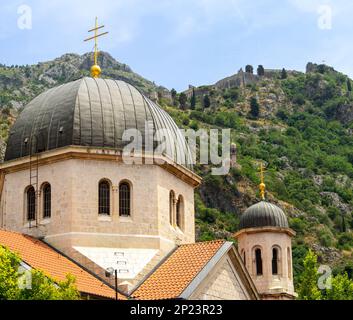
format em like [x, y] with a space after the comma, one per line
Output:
[41, 257]
[176, 273]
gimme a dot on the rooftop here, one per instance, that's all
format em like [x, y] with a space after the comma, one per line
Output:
[263, 214]
[173, 276]
[92, 112]
[40, 256]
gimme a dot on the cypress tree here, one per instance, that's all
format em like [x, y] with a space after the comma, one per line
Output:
[182, 100]
[260, 70]
[193, 99]
[254, 108]
[206, 101]
[249, 69]
[284, 74]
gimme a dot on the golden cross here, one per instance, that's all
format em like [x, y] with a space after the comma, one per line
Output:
[95, 70]
[262, 185]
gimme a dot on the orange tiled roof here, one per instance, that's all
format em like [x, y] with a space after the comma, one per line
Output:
[41, 257]
[176, 273]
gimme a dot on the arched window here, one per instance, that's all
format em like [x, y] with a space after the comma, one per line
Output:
[46, 201]
[274, 261]
[180, 213]
[124, 199]
[31, 204]
[258, 261]
[171, 207]
[104, 197]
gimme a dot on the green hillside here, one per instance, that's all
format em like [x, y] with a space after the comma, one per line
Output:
[298, 124]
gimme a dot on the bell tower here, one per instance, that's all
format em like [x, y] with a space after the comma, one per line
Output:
[265, 245]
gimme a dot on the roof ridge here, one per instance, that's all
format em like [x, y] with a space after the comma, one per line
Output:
[203, 242]
[24, 235]
[15, 232]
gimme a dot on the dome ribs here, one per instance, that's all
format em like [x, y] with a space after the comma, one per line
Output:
[93, 113]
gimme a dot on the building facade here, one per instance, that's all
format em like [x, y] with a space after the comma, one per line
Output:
[265, 245]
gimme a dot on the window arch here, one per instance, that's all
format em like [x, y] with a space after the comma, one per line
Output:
[171, 207]
[275, 253]
[258, 261]
[180, 213]
[124, 199]
[46, 191]
[104, 197]
[31, 203]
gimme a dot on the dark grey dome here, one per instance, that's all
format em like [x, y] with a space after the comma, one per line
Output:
[94, 113]
[263, 214]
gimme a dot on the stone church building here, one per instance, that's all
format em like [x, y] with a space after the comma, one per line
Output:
[67, 194]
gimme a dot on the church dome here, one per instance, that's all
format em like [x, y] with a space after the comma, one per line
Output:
[263, 214]
[91, 112]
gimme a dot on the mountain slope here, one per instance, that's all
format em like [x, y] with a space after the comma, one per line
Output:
[20, 84]
[298, 124]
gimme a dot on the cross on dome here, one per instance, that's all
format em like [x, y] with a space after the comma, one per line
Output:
[95, 69]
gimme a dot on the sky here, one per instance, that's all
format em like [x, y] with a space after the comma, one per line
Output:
[180, 42]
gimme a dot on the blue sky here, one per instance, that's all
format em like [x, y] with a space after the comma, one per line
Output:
[180, 42]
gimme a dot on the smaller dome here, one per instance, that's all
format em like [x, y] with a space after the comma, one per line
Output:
[263, 214]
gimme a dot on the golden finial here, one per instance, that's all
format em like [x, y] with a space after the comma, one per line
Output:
[262, 185]
[95, 69]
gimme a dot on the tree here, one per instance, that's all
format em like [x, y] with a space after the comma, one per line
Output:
[206, 101]
[254, 108]
[27, 71]
[341, 288]
[42, 287]
[308, 288]
[159, 94]
[343, 221]
[249, 69]
[193, 100]
[6, 111]
[321, 68]
[260, 70]
[9, 264]
[174, 97]
[284, 74]
[182, 100]
[349, 85]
